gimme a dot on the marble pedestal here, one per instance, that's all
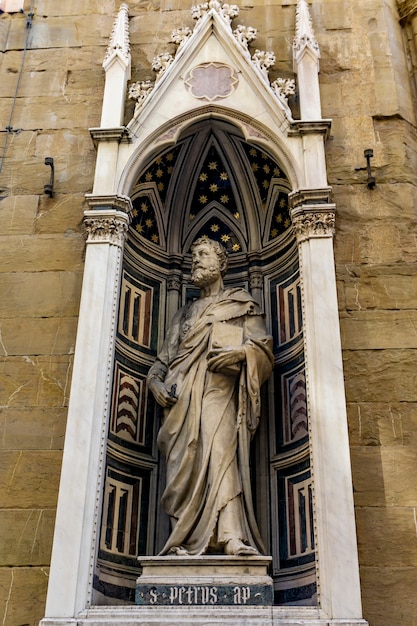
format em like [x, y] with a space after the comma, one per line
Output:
[204, 581]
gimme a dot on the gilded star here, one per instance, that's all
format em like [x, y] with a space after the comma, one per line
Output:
[266, 169]
[225, 238]
[159, 172]
[213, 187]
[148, 176]
[224, 199]
[139, 228]
[203, 199]
[235, 247]
[223, 176]
[255, 167]
[144, 207]
[155, 238]
[214, 228]
[277, 171]
[274, 232]
[203, 177]
[287, 222]
[264, 156]
[149, 223]
[278, 218]
[135, 212]
[191, 217]
[158, 161]
[282, 203]
[169, 156]
[212, 165]
[161, 186]
[170, 169]
[252, 152]
[265, 184]
[237, 215]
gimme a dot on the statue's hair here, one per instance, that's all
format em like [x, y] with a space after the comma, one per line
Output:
[218, 249]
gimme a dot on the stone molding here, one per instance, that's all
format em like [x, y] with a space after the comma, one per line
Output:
[108, 202]
[320, 195]
[313, 221]
[106, 227]
[120, 134]
[308, 127]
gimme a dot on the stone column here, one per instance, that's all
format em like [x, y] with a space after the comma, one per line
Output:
[334, 523]
[82, 467]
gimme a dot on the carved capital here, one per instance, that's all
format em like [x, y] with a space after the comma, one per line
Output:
[106, 227]
[174, 283]
[313, 221]
[256, 280]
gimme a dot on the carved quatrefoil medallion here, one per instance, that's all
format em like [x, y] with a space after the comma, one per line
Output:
[210, 81]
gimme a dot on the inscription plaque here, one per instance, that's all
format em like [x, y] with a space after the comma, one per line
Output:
[203, 595]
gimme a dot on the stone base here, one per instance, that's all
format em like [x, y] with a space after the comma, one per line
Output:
[204, 581]
[201, 616]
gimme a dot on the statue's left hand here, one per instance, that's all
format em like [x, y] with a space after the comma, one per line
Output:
[222, 358]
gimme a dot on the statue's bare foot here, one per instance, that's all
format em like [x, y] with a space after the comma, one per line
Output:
[236, 547]
[179, 551]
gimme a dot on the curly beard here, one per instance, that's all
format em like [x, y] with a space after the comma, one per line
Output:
[202, 277]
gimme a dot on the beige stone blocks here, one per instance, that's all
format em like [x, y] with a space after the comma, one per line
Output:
[22, 593]
[399, 586]
[32, 427]
[29, 478]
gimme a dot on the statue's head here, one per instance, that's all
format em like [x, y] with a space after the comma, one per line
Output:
[209, 261]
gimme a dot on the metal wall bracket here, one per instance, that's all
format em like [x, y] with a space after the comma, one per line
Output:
[49, 187]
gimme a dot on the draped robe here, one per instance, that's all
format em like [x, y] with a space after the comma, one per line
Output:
[205, 435]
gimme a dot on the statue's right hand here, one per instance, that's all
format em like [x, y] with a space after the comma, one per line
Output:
[161, 393]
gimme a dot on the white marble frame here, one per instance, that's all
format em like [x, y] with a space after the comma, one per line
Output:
[299, 146]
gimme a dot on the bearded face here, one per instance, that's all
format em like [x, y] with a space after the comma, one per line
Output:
[206, 266]
[202, 277]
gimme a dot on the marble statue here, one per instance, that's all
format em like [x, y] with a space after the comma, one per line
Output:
[208, 377]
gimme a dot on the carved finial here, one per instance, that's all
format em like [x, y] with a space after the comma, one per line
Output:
[119, 44]
[140, 91]
[180, 35]
[283, 87]
[263, 60]
[245, 35]
[161, 63]
[304, 33]
[227, 11]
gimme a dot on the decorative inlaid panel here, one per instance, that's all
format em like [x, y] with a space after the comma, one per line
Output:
[294, 405]
[128, 419]
[120, 524]
[295, 508]
[286, 306]
[138, 310]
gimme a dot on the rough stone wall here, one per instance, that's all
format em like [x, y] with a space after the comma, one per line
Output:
[365, 89]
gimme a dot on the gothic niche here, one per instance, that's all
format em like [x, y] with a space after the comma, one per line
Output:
[211, 182]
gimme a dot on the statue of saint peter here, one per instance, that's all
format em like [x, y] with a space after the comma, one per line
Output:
[208, 377]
